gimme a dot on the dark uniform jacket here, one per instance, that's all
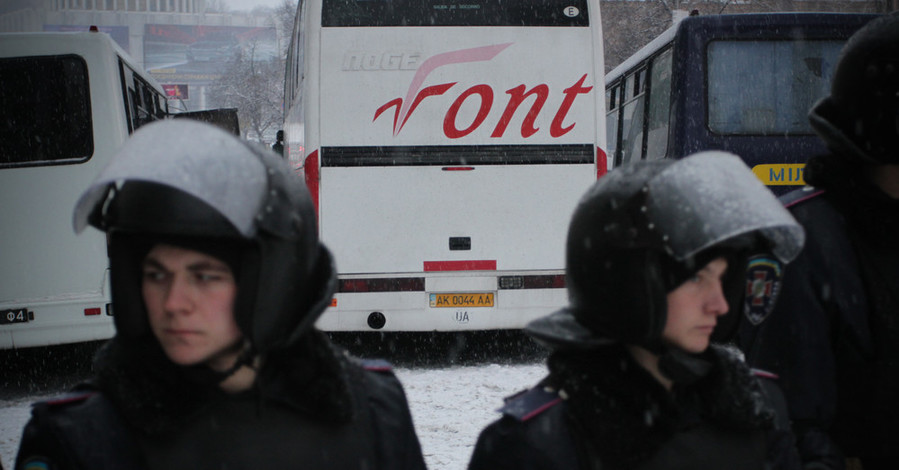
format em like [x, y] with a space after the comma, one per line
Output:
[833, 336]
[312, 407]
[604, 411]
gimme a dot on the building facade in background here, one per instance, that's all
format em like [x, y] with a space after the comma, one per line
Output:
[184, 44]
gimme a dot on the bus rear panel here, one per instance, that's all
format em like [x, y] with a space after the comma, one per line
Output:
[446, 147]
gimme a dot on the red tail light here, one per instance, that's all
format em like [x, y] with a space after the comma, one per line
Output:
[602, 166]
[313, 177]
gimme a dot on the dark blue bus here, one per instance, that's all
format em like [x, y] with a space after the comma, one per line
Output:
[740, 83]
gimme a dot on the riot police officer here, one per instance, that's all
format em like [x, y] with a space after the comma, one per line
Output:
[833, 337]
[656, 257]
[217, 278]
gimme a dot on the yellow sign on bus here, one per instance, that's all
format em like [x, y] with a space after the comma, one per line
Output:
[784, 174]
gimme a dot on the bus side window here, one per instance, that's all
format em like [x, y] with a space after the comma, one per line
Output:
[135, 107]
[659, 106]
[146, 103]
[143, 113]
[162, 107]
[632, 117]
[613, 105]
[131, 97]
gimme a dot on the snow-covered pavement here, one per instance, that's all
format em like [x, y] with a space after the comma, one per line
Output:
[451, 406]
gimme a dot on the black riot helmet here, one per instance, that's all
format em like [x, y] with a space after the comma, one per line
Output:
[644, 229]
[191, 184]
[860, 118]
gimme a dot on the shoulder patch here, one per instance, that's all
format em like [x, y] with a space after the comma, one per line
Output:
[763, 280]
[799, 196]
[69, 398]
[36, 463]
[376, 365]
[764, 374]
[530, 403]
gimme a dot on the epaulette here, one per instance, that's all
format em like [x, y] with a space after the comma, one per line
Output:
[798, 196]
[68, 398]
[764, 374]
[530, 403]
[376, 365]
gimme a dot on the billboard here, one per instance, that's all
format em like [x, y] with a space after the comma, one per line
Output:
[176, 91]
[198, 55]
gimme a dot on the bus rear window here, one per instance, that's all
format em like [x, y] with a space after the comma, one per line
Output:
[45, 113]
[454, 13]
[767, 87]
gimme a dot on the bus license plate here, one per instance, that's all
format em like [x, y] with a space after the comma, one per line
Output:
[19, 315]
[455, 300]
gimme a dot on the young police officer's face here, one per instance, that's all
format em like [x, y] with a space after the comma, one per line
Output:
[190, 302]
[694, 308]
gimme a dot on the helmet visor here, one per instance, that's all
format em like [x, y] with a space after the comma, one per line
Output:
[711, 197]
[215, 157]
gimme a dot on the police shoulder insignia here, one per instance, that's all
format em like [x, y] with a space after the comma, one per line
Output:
[377, 365]
[37, 463]
[764, 374]
[530, 403]
[70, 398]
[763, 279]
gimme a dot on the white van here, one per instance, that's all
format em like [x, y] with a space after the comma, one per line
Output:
[67, 103]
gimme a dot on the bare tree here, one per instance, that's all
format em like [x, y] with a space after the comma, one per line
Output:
[256, 89]
[627, 26]
[254, 81]
[284, 18]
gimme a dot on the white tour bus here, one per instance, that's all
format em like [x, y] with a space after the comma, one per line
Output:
[69, 100]
[445, 145]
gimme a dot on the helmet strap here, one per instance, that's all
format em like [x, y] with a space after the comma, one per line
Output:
[246, 358]
[204, 375]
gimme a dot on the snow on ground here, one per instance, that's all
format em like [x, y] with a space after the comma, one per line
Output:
[13, 416]
[450, 406]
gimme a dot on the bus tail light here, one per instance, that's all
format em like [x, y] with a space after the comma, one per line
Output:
[602, 165]
[313, 178]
